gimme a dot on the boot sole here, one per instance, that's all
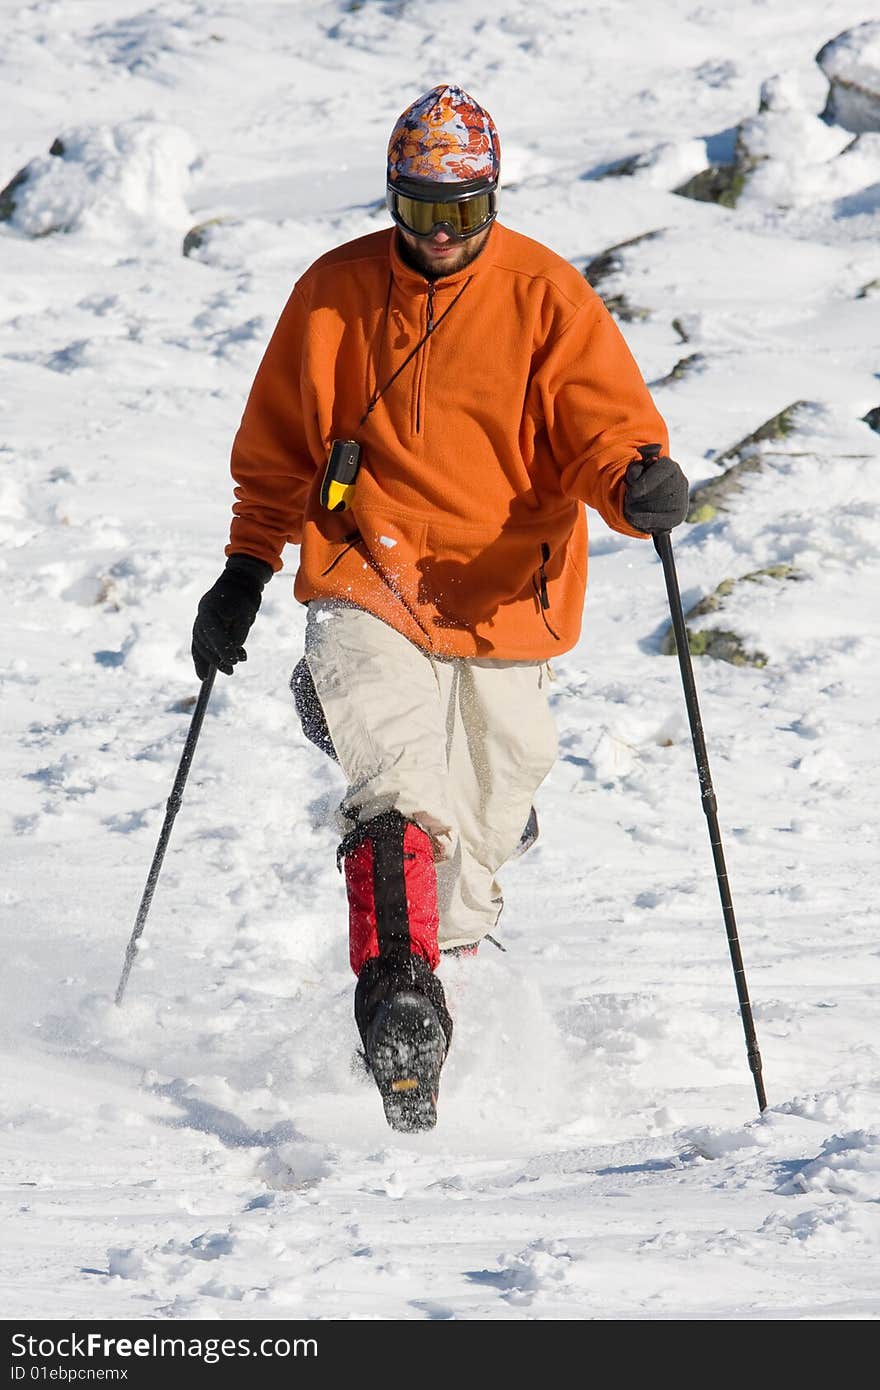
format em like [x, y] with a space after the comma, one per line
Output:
[406, 1053]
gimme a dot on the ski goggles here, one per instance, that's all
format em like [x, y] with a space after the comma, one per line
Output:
[462, 216]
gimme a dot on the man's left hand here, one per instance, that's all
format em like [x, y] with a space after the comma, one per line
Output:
[655, 493]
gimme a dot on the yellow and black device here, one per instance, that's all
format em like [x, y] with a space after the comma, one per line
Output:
[340, 475]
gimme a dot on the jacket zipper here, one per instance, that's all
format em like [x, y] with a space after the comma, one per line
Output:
[420, 385]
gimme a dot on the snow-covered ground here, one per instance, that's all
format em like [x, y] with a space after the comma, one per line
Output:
[211, 1150]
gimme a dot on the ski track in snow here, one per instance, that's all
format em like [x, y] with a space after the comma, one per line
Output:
[214, 1150]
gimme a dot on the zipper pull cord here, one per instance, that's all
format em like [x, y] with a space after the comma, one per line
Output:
[545, 556]
[540, 587]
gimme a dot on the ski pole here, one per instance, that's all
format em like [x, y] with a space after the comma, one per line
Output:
[172, 807]
[663, 546]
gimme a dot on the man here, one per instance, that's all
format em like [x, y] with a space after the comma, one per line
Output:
[479, 394]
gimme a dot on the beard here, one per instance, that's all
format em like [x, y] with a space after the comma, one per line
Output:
[416, 251]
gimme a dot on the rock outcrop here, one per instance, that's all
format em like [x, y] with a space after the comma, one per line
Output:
[722, 643]
[851, 62]
[606, 267]
[107, 180]
[712, 497]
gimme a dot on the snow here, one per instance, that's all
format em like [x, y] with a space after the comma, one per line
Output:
[118, 181]
[213, 1150]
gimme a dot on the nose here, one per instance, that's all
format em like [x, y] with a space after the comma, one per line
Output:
[441, 236]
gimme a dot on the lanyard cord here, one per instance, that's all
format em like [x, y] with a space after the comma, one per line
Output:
[380, 391]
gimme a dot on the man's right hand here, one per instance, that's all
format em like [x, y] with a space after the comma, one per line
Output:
[226, 613]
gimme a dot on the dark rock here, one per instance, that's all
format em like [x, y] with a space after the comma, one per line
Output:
[720, 183]
[724, 645]
[686, 366]
[854, 86]
[709, 498]
[721, 643]
[620, 168]
[197, 235]
[185, 705]
[620, 307]
[724, 180]
[8, 199]
[777, 427]
[873, 419]
[609, 263]
[7, 194]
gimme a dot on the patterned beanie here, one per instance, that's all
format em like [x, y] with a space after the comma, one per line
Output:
[444, 137]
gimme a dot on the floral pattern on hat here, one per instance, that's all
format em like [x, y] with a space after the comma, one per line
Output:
[444, 136]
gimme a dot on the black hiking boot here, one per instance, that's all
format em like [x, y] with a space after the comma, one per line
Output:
[405, 1027]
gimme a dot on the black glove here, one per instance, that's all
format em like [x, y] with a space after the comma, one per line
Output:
[226, 613]
[655, 492]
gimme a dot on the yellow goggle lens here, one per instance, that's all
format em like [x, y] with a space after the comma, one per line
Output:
[465, 217]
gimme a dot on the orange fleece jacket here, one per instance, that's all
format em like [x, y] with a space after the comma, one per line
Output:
[467, 532]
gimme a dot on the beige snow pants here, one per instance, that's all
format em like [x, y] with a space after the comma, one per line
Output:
[458, 745]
